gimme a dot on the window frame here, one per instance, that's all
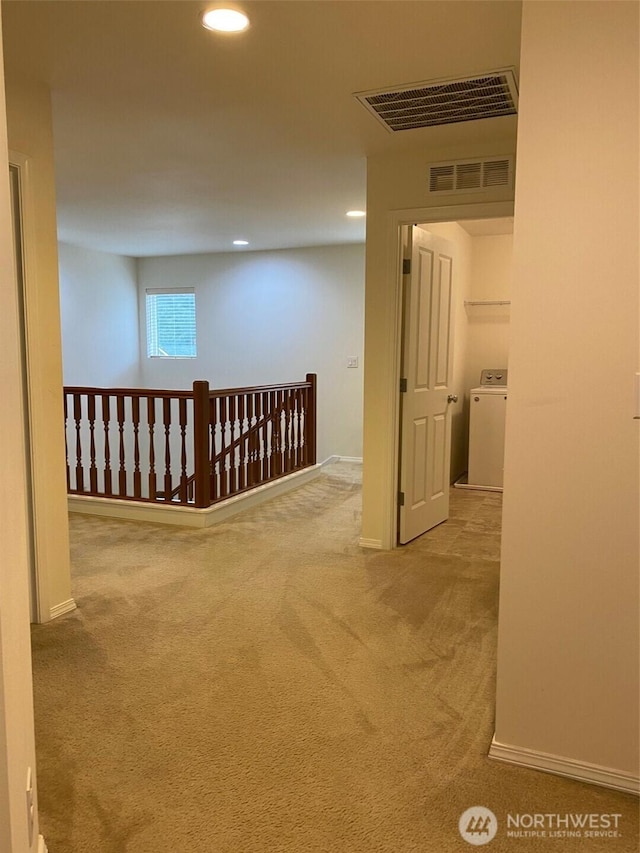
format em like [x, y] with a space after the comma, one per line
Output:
[151, 322]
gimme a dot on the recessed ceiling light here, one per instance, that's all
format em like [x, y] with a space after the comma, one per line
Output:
[240, 242]
[225, 20]
[356, 213]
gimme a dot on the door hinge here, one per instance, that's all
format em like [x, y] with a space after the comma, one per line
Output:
[403, 386]
[400, 498]
[406, 266]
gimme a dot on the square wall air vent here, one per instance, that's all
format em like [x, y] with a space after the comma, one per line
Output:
[444, 101]
[463, 176]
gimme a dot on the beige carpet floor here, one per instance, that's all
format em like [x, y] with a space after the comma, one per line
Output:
[267, 686]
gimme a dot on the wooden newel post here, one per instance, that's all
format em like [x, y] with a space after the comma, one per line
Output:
[202, 463]
[310, 420]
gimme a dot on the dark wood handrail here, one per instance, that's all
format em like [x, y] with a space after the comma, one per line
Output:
[181, 394]
[192, 447]
[257, 389]
[159, 393]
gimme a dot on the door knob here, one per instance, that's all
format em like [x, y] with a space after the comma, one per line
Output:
[452, 398]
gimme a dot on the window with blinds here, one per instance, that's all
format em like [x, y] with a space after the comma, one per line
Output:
[171, 323]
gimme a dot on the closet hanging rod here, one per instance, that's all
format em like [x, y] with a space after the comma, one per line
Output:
[487, 302]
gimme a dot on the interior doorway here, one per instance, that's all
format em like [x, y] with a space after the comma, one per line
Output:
[479, 328]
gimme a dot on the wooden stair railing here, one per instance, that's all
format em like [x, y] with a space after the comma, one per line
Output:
[192, 448]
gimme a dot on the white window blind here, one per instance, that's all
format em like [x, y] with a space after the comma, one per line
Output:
[171, 323]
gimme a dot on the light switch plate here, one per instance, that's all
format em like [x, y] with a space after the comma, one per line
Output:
[352, 361]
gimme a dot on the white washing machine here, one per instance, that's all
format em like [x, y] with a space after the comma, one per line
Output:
[487, 410]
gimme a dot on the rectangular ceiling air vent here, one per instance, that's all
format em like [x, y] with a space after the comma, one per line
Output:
[462, 176]
[444, 101]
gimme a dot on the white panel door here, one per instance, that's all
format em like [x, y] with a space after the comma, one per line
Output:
[425, 441]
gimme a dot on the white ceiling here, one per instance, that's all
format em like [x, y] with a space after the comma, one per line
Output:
[171, 139]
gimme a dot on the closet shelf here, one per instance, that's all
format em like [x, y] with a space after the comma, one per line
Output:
[487, 302]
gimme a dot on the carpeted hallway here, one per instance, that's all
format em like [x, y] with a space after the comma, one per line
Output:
[267, 686]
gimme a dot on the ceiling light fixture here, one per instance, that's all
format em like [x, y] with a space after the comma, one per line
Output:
[240, 242]
[354, 214]
[225, 20]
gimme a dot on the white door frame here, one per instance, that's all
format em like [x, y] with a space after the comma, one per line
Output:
[395, 221]
[38, 582]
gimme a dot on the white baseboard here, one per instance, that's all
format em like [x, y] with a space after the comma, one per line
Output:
[370, 543]
[594, 774]
[331, 459]
[165, 513]
[463, 483]
[62, 608]
[42, 847]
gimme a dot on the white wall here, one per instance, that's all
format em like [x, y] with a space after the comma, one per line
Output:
[568, 630]
[17, 750]
[99, 312]
[269, 317]
[488, 325]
